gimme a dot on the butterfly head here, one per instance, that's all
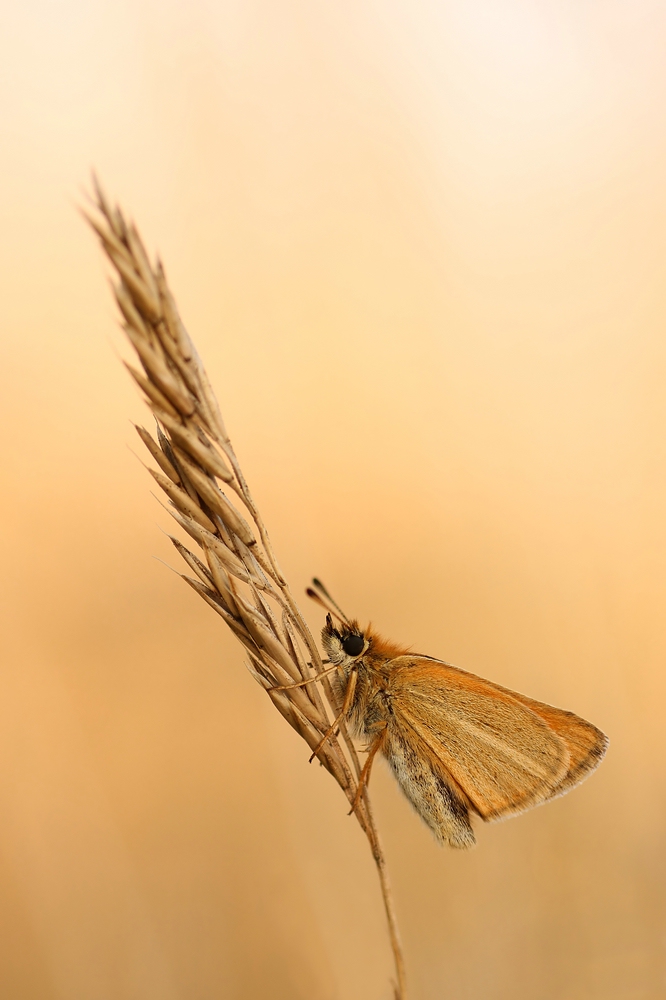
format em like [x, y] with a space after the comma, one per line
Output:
[345, 644]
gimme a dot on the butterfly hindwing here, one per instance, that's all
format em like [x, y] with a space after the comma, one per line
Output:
[438, 801]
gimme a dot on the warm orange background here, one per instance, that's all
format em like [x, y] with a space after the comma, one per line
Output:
[421, 247]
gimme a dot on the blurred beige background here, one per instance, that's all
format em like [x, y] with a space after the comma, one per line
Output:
[421, 247]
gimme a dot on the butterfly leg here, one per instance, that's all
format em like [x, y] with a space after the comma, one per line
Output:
[346, 705]
[364, 776]
[300, 684]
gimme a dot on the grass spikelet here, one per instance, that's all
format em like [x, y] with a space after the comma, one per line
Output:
[238, 575]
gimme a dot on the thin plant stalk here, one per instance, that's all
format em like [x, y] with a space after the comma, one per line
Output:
[235, 571]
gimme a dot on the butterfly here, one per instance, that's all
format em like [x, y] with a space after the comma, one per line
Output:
[459, 746]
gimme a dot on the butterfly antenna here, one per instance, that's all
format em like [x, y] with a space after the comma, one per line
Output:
[332, 605]
[325, 605]
[313, 595]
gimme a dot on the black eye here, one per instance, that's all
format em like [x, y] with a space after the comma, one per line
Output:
[353, 645]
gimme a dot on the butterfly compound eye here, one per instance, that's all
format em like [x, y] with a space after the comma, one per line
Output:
[353, 645]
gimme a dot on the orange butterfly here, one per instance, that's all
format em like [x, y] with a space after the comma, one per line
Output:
[458, 744]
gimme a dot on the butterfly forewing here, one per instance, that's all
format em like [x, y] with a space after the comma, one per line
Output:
[502, 755]
[586, 744]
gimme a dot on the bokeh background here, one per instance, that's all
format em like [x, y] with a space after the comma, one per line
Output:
[422, 247]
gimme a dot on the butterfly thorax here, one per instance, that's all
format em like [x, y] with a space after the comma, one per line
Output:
[370, 708]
